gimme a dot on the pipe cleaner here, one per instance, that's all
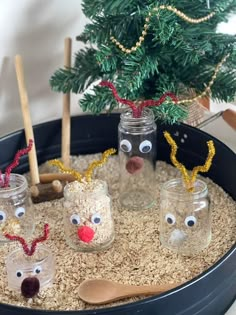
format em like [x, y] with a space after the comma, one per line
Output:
[88, 173]
[5, 183]
[30, 251]
[190, 179]
[137, 111]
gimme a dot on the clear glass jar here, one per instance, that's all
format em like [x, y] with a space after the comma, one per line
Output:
[185, 217]
[137, 155]
[16, 212]
[88, 222]
[28, 274]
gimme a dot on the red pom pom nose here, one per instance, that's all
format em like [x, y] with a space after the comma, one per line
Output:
[85, 234]
[30, 287]
[134, 164]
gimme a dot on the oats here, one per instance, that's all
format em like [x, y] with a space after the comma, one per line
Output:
[135, 257]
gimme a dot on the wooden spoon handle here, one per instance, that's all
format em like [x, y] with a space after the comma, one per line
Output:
[34, 172]
[129, 291]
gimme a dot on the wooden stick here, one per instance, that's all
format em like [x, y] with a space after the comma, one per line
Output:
[50, 177]
[33, 163]
[47, 192]
[66, 110]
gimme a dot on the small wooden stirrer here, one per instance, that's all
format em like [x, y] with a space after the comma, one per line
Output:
[65, 148]
[33, 162]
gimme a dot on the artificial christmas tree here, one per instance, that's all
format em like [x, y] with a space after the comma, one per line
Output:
[150, 47]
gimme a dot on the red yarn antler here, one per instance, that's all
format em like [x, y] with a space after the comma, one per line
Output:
[137, 111]
[15, 162]
[30, 251]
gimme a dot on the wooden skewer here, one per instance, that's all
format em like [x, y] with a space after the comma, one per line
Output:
[33, 162]
[66, 109]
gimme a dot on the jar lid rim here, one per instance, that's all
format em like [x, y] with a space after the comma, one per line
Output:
[199, 185]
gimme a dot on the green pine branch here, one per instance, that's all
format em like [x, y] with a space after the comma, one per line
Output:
[175, 55]
[76, 79]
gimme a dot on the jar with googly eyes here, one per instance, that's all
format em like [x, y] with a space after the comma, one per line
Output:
[137, 156]
[87, 216]
[16, 211]
[185, 217]
[29, 274]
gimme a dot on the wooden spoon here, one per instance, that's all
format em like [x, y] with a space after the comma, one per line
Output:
[100, 291]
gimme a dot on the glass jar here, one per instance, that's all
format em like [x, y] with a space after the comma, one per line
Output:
[185, 217]
[16, 212]
[137, 156]
[88, 222]
[28, 274]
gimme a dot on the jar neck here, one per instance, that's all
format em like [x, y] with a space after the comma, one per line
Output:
[17, 186]
[143, 123]
[175, 189]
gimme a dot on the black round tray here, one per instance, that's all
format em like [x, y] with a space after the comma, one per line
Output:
[212, 292]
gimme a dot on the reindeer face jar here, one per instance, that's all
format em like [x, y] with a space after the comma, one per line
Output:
[88, 222]
[137, 150]
[137, 154]
[16, 213]
[185, 217]
[185, 214]
[30, 269]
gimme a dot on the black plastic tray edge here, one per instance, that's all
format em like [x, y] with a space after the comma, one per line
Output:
[128, 307]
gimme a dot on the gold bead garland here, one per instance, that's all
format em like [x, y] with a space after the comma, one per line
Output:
[208, 88]
[147, 22]
[88, 173]
[189, 180]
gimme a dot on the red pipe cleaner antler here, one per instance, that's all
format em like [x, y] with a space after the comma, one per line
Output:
[137, 111]
[131, 104]
[15, 162]
[1, 180]
[157, 102]
[30, 251]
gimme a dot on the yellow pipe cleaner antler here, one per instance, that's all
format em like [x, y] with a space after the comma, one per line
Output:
[65, 170]
[88, 173]
[98, 163]
[189, 180]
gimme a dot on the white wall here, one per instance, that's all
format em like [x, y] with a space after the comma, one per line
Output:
[36, 29]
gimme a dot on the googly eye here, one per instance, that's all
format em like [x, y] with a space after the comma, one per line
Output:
[20, 212]
[19, 273]
[190, 221]
[75, 219]
[125, 145]
[170, 218]
[37, 270]
[3, 216]
[96, 218]
[145, 146]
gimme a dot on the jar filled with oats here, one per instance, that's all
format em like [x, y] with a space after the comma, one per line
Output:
[88, 222]
[185, 217]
